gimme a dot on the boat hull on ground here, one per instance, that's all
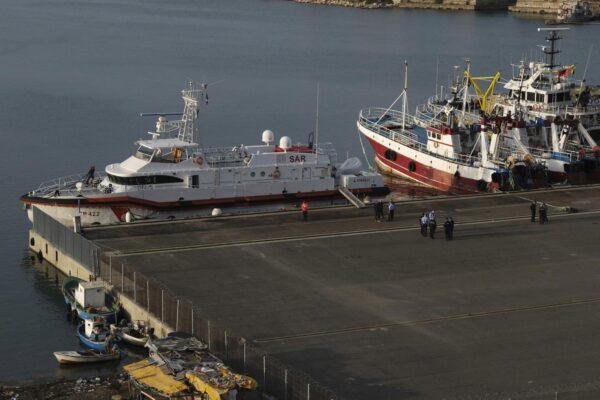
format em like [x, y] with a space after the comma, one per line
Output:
[85, 357]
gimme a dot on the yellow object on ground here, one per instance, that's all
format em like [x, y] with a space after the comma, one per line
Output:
[153, 377]
[202, 384]
[243, 381]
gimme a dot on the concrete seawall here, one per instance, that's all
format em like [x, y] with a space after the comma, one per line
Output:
[70, 267]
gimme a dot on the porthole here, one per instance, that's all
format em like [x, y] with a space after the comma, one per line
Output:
[390, 155]
[253, 174]
[262, 173]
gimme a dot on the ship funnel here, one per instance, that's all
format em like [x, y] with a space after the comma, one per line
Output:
[268, 137]
[285, 142]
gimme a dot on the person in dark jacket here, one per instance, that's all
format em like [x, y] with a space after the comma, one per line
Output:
[543, 213]
[380, 210]
[89, 177]
[532, 208]
[447, 227]
[451, 228]
[432, 227]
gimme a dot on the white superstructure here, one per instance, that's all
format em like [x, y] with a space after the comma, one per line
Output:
[170, 173]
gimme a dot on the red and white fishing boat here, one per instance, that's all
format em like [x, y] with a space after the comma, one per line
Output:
[562, 145]
[445, 152]
[170, 175]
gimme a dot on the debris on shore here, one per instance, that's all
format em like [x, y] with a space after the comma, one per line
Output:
[93, 388]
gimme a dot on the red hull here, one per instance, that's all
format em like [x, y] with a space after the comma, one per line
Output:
[424, 174]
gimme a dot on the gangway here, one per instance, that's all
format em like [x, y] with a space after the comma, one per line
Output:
[351, 197]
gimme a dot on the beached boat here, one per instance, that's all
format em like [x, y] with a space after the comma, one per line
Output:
[136, 333]
[85, 356]
[170, 175]
[95, 334]
[90, 300]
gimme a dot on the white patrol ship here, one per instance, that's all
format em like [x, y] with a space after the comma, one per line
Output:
[170, 175]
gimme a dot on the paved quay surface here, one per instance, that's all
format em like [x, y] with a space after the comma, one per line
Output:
[509, 309]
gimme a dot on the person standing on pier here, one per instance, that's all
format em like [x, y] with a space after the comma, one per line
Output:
[431, 215]
[424, 222]
[432, 227]
[543, 213]
[379, 211]
[447, 227]
[532, 208]
[451, 228]
[304, 208]
[391, 209]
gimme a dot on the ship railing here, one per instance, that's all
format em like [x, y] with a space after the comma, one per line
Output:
[67, 183]
[327, 149]
[542, 154]
[432, 114]
[368, 118]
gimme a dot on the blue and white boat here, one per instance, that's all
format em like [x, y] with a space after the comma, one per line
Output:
[90, 300]
[95, 334]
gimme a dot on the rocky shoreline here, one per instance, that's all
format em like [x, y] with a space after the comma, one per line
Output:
[520, 6]
[96, 388]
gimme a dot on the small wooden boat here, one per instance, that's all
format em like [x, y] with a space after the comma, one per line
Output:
[89, 299]
[85, 356]
[136, 333]
[95, 334]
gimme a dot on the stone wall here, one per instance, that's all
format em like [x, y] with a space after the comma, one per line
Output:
[525, 6]
[546, 7]
[426, 4]
[456, 4]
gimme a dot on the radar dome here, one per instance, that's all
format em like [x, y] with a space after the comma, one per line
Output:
[285, 142]
[268, 137]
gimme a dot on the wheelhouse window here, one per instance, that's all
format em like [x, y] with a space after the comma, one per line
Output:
[144, 153]
[143, 180]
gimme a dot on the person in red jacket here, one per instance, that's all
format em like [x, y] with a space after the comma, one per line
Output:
[304, 208]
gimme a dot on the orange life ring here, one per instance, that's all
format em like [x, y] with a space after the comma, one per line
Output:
[276, 174]
[199, 160]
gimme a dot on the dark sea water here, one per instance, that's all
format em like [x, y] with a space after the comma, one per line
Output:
[74, 75]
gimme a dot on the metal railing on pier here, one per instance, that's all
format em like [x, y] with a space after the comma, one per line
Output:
[275, 378]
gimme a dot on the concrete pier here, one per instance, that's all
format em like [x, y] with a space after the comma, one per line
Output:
[508, 309]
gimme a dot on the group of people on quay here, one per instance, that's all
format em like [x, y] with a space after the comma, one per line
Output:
[543, 212]
[379, 210]
[428, 223]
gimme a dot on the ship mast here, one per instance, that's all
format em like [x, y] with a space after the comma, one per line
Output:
[404, 102]
[553, 51]
[466, 88]
[191, 95]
